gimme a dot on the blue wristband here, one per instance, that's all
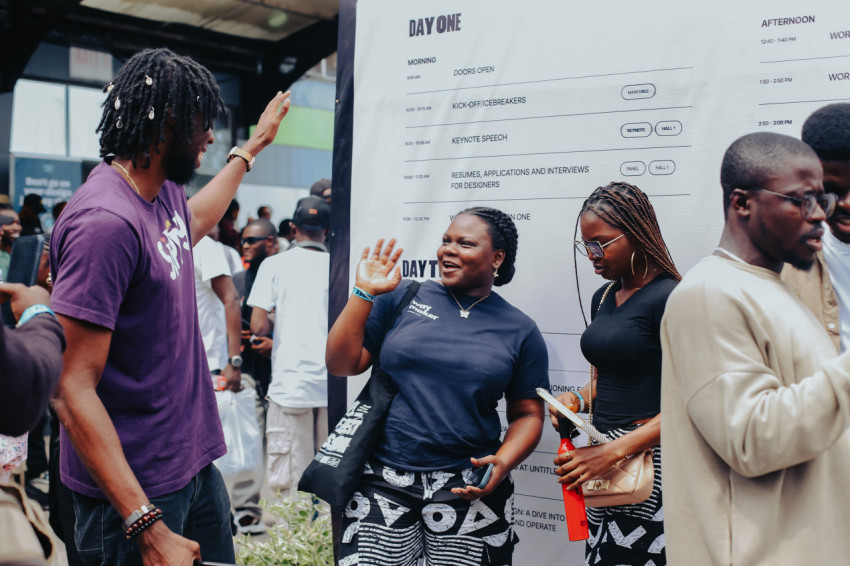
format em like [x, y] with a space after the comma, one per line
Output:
[358, 292]
[581, 400]
[32, 311]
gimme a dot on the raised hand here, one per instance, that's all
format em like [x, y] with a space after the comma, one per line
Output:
[269, 123]
[375, 272]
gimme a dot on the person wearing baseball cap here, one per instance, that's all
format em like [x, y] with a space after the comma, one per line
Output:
[295, 285]
[322, 188]
[311, 214]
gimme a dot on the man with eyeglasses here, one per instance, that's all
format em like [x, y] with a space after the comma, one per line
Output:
[825, 288]
[755, 402]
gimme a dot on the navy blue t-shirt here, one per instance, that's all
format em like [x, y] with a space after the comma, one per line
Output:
[624, 343]
[450, 373]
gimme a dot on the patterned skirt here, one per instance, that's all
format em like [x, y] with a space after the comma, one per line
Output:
[628, 534]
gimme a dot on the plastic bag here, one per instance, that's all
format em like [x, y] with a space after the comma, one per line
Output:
[244, 458]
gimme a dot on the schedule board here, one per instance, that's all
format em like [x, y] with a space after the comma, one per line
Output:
[527, 107]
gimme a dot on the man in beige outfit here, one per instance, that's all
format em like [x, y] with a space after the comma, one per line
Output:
[756, 462]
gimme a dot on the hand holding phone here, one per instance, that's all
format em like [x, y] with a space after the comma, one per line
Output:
[23, 268]
[486, 477]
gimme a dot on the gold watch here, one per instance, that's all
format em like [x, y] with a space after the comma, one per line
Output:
[239, 152]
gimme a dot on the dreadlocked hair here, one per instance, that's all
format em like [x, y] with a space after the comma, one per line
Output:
[151, 86]
[626, 207]
[504, 236]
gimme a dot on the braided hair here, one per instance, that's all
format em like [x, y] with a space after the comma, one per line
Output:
[626, 207]
[503, 234]
[151, 86]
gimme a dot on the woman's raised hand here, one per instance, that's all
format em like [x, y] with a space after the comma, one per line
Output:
[375, 273]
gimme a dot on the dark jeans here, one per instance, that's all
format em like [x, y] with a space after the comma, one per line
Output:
[200, 512]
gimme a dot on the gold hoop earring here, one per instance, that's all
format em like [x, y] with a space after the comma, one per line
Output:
[646, 268]
[633, 263]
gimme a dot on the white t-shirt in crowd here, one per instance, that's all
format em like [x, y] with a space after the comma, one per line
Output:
[211, 262]
[295, 285]
[837, 256]
[234, 260]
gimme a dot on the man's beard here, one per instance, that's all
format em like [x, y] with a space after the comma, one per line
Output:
[179, 165]
[789, 256]
[799, 263]
[258, 258]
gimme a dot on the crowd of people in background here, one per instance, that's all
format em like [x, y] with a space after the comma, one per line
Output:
[263, 319]
[147, 306]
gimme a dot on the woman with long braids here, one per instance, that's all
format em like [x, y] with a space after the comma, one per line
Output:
[620, 236]
[452, 354]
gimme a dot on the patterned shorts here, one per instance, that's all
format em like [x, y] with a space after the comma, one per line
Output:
[412, 518]
[629, 535]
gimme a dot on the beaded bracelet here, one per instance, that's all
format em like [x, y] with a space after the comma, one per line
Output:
[143, 523]
[358, 292]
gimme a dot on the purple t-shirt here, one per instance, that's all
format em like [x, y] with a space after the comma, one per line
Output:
[123, 263]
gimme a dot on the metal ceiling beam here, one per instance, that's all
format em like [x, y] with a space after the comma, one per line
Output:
[286, 6]
[302, 51]
[26, 23]
[23, 25]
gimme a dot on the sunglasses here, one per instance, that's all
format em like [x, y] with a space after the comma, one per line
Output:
[594, 248]
[809, 202]
[251, 240]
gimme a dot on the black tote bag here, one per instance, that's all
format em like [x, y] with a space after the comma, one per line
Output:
[336, 468]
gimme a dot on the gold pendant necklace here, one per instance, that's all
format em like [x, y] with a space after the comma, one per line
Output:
[464, 313]
[129, 178]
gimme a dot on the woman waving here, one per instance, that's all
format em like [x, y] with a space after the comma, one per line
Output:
[438, 485]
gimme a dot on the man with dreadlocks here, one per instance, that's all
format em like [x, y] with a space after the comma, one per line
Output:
[756, 404]
[140, 423]
[621, 237]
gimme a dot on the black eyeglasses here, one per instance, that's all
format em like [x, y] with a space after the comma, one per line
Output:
[809, 202]
[251, 240]
[594, 248]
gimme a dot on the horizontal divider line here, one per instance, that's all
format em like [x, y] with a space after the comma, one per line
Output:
[526, 199]
[546, 153]
[538, 496]
[550, 116]
[802, 101]
[805, 59]
[551, 80]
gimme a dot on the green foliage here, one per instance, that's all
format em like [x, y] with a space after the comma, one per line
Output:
[296, 539]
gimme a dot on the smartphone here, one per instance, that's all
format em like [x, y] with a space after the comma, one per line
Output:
[23, 268]
[486, 477]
